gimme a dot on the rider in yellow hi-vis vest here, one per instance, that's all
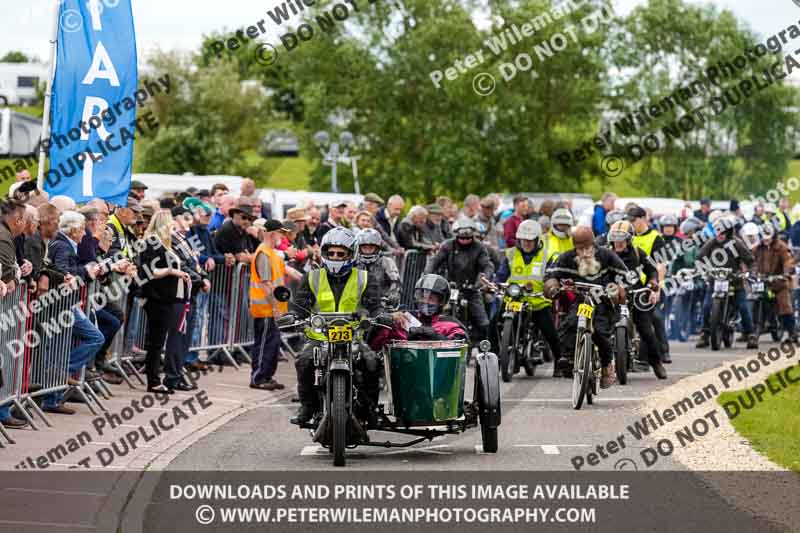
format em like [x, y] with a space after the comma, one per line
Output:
[337, 287]
[559, 239]
[649, 241]
[525, 265]
[267, 271]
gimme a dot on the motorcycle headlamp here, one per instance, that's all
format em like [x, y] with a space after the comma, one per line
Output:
[317, 322]
[514, 290]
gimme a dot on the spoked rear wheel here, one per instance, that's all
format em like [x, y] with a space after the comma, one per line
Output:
[582, 372]
[621, 355]
[507, 350]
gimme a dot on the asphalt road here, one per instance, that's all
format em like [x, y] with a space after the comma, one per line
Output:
[539, 431]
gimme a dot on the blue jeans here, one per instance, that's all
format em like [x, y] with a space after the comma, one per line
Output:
[108, 325]
[199, 309]
[5, 412]
[739, 302]
[89, 341]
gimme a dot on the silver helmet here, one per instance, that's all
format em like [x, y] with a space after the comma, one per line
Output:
[341, 237]
[368, 236]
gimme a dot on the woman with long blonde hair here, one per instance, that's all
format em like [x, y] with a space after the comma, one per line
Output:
[166, 291]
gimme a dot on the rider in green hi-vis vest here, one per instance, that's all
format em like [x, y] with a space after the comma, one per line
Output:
[337, 287]
[525, 265]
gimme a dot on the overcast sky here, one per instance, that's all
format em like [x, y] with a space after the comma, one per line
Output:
[171, 24]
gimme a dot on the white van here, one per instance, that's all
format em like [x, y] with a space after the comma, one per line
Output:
[18, 82]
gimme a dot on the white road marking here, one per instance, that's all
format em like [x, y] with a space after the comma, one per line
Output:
[313, 450]
[550, 449]
[427, 449]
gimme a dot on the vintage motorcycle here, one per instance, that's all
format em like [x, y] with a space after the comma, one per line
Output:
[722, 322]
[425, 381]
[626, 341]
[521, 342]
[763, 300]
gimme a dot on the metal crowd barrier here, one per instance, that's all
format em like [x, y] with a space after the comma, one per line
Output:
[12, 357]
[90, 303]
[218, 323]
[414, 263]
[121, 356]
[48, 360]
[242, 331]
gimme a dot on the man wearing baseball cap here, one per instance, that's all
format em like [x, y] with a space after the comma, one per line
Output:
[267, 271]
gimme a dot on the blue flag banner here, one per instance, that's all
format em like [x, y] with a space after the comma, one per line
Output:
[93, 113]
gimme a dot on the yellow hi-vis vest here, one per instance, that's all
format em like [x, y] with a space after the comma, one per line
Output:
[557, 246]
[325, 302]
[260, 306]
[645, 242]
[532, 273]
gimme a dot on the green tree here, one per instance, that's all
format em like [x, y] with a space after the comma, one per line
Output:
[207, 121]
[666, 45]
[14, 56]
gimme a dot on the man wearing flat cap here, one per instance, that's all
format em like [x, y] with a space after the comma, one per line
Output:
[437, 228]
[137, 189]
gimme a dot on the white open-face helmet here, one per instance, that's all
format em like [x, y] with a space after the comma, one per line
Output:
[750, 234]
[529, 230]
[561, 217]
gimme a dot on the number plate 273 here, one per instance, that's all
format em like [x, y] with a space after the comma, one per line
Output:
[338, 334]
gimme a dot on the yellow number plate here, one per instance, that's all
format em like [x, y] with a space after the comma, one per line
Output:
[338, 334]
[515, 306]
[585, 310]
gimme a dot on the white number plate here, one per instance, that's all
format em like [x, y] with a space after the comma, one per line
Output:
[758, 286]
[689, 285]
[623, 310]
[453, 295]
[721, 285]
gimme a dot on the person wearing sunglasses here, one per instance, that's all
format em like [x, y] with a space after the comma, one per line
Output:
[337, 287]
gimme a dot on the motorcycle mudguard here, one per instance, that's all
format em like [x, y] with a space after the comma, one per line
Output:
[487, 389]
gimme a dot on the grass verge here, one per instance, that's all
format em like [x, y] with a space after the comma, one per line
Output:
[773, 425]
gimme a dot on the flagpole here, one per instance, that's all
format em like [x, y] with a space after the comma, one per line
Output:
[48, 96]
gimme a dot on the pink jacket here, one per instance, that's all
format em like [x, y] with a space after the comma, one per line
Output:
[445, 327]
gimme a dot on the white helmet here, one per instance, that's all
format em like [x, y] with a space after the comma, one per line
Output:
[560, 217]
[750, 234]
[714, 215]
[530, 230]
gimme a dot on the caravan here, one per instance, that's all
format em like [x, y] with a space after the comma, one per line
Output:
[19, 81]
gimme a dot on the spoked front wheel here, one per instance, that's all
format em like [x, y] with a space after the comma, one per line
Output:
[582, 373]
[339, 418]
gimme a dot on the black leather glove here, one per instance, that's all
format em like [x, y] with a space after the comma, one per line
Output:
[385, 319]
[423, 333]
